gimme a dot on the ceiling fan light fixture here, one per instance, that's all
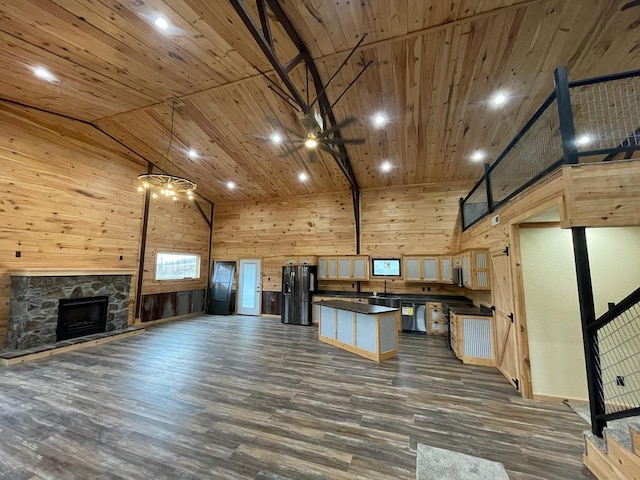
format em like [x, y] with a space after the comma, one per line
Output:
[311, 143]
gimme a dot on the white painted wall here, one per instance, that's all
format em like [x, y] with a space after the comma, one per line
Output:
[551, 299]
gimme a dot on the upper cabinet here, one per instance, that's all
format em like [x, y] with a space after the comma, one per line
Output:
[446, 269]
[475, 269]
[421, 269]
[301, 260]
[350, 267]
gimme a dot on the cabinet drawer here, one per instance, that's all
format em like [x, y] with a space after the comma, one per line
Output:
[437, 305]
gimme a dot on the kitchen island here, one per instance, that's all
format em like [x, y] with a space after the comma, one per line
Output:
[366, 330]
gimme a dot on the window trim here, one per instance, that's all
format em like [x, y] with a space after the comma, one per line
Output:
[197, 256]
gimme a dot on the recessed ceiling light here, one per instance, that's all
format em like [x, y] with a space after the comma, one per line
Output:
[477, 156]
[380, 119]
[276, 138]
[162, 23]
[231, 185]
[311, 143]
[303, 177]
[584, 140]
[44, 74]
[386, 167]
[499, 99]
[193, 154]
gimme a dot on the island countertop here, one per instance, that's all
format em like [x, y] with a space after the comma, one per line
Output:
[356, 307]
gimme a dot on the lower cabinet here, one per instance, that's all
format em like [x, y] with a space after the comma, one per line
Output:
[472, 339]
[436, 324]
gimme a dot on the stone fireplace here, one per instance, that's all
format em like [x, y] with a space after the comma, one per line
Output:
[36, 302]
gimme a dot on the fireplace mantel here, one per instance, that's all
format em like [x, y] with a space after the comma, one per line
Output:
[56, 272]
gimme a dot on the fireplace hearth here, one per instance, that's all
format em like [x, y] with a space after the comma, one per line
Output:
[78, 317]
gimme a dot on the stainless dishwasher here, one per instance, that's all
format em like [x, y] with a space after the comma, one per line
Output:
[414, 317]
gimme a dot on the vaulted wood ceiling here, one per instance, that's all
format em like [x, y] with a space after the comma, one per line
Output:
[435, 65]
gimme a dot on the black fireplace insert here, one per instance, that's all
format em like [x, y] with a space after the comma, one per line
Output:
[78, 317]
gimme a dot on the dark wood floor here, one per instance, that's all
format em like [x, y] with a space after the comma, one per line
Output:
[250, 398]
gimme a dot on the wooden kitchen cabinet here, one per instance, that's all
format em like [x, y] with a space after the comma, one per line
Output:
[421, 269]
[327, 268]
[475, 269]
[349, 267]
[446, 269]
[301, 260]
[472, 339]
[436, 324]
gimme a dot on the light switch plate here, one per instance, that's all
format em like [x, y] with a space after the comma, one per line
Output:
[495, 220]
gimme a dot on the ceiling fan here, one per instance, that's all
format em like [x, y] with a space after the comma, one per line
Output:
[315, 137]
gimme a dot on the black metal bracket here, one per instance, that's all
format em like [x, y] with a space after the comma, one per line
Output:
[506, 250]
[510, 316]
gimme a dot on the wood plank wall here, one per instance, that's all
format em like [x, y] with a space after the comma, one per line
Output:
[174, 227]
[68, 198]
[395, 221]
[602, 194]
[320, 224]
[411, 220]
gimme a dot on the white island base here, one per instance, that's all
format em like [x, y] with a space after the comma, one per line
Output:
[366, 330]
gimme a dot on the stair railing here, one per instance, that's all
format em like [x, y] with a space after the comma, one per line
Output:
[613, 358]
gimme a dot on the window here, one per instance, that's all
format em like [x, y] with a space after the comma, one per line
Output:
[176, 266]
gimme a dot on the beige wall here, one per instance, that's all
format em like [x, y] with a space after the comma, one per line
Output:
[614, 258]
[553, 313]
[551, 299]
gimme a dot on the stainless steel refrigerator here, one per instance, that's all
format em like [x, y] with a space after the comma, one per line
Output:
[298, 284]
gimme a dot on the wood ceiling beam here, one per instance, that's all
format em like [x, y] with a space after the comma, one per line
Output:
[259, 36]
[341, 157]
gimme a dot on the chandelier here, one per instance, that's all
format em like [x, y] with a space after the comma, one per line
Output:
[163, 184]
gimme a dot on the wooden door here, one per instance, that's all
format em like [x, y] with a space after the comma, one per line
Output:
[506, 352]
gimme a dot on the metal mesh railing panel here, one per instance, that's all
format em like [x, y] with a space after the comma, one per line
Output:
[619, 352]
[476, 206]
[606, 115]
[539, 148]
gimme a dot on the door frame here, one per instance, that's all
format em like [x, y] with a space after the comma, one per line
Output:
[258, 292]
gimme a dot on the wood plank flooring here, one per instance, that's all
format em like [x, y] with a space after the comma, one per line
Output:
[249, 398]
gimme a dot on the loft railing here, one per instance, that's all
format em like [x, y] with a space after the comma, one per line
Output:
[613, 355]
[592, 120]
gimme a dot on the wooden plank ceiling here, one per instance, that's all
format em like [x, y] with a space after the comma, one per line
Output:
[435, 66]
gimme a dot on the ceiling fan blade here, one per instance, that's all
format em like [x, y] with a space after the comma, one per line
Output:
[344, 141]
[275, 123]
[291, 150]
[338, 126]
[331, 151]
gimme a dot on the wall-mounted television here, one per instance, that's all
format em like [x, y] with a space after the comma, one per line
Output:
[386, 267]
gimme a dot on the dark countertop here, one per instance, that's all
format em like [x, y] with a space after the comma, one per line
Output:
[356, 307]
[471, 310]
[403, 296]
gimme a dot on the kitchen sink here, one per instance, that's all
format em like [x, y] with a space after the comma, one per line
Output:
[393, 302]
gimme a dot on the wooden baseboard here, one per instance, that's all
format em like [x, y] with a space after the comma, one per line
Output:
[269, 315]
[68, 348]
[551, 398]
[169, 319]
